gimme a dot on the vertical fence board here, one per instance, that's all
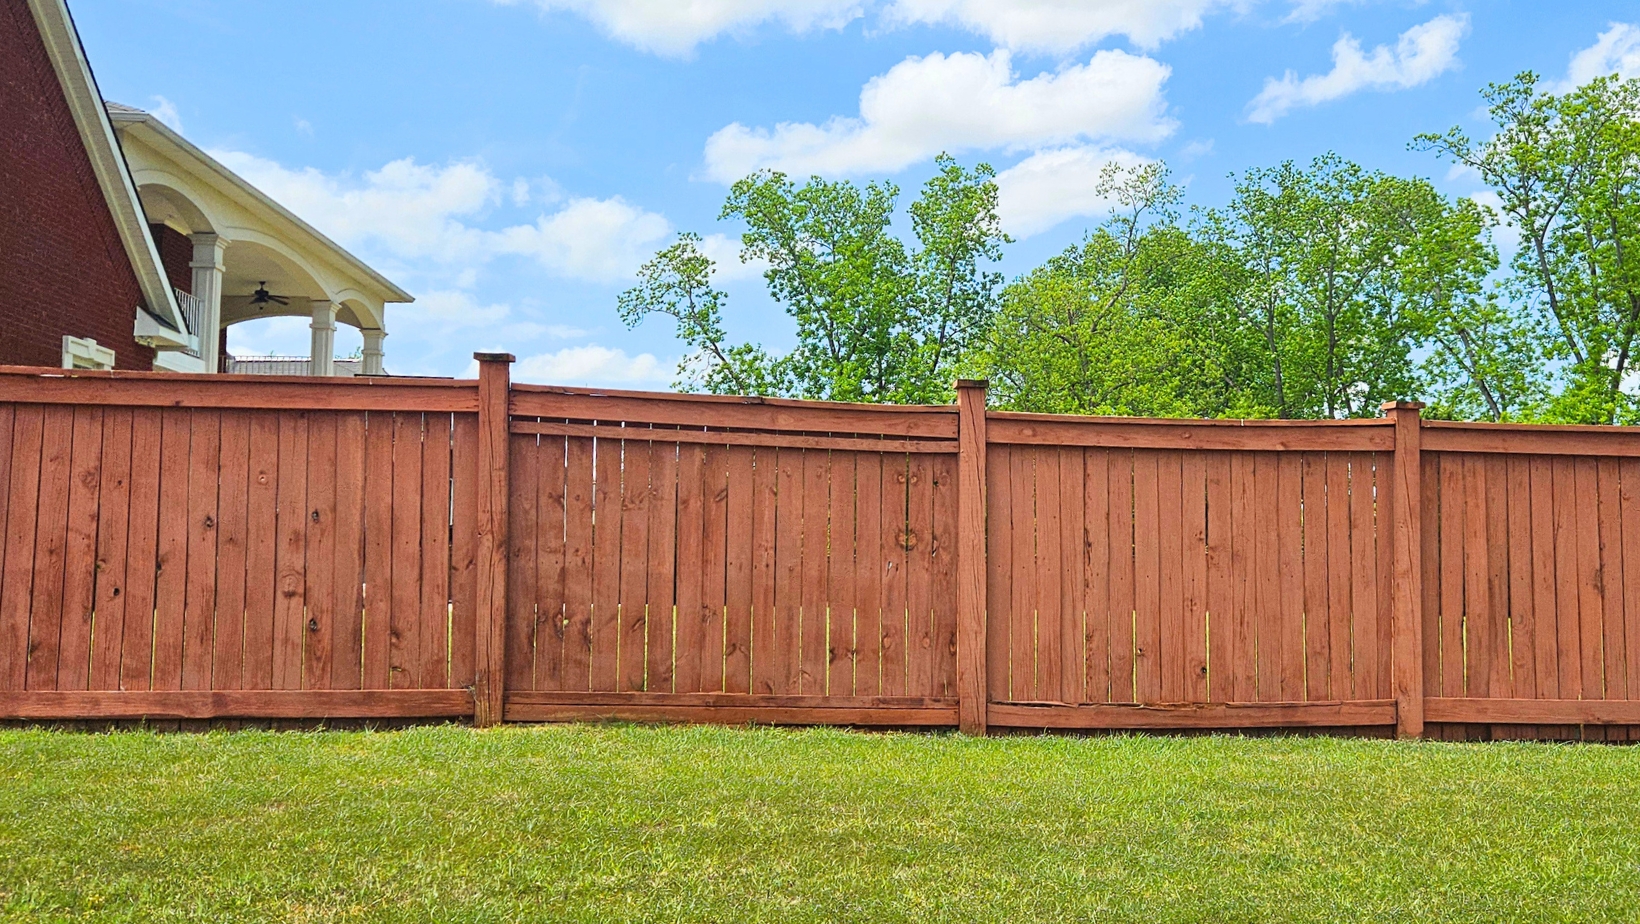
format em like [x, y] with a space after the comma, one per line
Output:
[663, 513]
[1317, 627]
[812, 633]
[767, 675]
[1612, 581]
[636, 494]
[142, 537]
[113, 512]
[1591, 610]
[1367, 614]
[1569, 644]
[868, 575]
[1290, 576]
[840, 577]
[1220, 656]
[233, 531]
[1050, 643]
[322, 553]
[1430, 523]
[606, 561]
[1477, 599]
[1096, 591]
[716, 493]
[289, 606]
[1120, 545]
[690, 567]
[435, 553]
[1147, 576]
[171, 581]
[1629, 516]
[405, 618]
[998, 567]
[1072, 575]
[919, 577]
[1522, 619]
[738, 567]
[199, 614]
[378, 552]
[1022, 634]
[1266, 576]
[11, 647]
[347, 577]
[788, 563]
[1170, 532]
[549, 565]
[891, 566]
[578, 563]
[80, 550]
[944, 544]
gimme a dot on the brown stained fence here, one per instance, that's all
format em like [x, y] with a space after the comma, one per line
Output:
[176, 547]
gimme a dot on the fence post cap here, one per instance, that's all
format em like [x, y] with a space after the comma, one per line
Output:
[1403, 405]
[495, 357]
[973, 383]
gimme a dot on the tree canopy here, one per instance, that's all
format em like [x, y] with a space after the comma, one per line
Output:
[1317, 290]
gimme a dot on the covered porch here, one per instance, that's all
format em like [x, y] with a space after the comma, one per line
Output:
[236, 256]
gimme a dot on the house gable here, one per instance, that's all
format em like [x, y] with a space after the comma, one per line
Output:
[63, 266]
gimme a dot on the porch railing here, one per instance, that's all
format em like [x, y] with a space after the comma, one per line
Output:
[193, 315]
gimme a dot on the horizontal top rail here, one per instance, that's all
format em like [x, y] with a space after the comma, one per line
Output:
[776, 414]
[1531, 439]
[1368, 435]
[35, 385]
[731, 437]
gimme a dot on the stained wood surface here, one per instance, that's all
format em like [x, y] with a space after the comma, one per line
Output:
[172, 541]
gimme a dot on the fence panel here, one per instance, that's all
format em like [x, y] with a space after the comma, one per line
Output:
[1126, 571]
[761, 553]
[1530, 562]
[172, 547]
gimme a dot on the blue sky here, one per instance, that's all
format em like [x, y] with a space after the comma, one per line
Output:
[511, 162]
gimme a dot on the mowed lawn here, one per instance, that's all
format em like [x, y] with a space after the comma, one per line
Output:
[634, 823]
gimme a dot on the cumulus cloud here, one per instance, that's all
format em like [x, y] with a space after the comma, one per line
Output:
[1615, 51]
[1053, 185]
[593, 365]
[421, 212]
[166, 111]
[675, 27]
[957, 102]
[1420, 54]
[1061, 25]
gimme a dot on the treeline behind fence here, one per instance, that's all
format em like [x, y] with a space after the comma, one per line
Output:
[239, 547]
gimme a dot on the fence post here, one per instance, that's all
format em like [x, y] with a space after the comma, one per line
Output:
[971, 682]
[494, 384]
[1406, 594]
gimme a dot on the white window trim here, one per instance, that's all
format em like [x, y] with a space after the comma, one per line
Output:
[85, 353]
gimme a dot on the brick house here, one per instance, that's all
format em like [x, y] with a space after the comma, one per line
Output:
[122, 245]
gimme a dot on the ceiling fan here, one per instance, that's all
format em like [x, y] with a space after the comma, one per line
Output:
[263, 297]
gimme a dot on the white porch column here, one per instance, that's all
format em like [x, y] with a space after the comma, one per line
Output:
[373, 338]
[207, 267]
[324, 338]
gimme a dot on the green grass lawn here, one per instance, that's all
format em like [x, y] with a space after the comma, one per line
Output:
[632, 823]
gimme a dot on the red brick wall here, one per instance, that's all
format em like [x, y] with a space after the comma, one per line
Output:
[176, 251]
[62, 267]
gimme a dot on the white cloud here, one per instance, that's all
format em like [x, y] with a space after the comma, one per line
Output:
[593, 365]
[1061, 25]
[1050, 186]
[1420, 54]
[419, 212]
[450, 309]
[1307, 11]
[166, 111]
[593, 239]
[957, 102]
[675, 27]
[1616, 51]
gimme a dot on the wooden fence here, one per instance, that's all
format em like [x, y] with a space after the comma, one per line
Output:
[178, 547]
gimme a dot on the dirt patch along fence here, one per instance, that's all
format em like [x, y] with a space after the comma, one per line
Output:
[180, 547]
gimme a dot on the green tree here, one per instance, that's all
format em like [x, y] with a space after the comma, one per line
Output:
[875, 322]
[1566, 170]
[1123, 323]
